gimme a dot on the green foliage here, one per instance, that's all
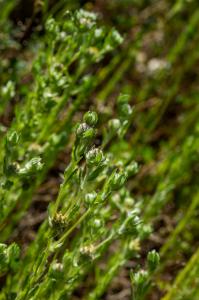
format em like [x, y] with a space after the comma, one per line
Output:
[116, 115]
[9, 257]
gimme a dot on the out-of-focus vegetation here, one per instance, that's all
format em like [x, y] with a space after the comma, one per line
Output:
[99, 149]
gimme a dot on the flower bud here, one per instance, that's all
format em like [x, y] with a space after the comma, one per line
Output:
[132, 169]
[114, 125]
[81, 129]
[90, 118]
[140, 277]
[129, 202]
[97, 223]
[94, 157]
[84, 137]
[58, 222]
[153, 260]
[144, 231]
[140, 282]
[85, 132]
[117, 180]
[87, 252]
[89, 133]
[90, 198]
[56, 271]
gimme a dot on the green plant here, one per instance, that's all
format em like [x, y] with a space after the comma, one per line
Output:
[116, 116]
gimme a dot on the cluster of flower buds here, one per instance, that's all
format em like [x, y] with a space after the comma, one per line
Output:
[85, 133]
[141, 280]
